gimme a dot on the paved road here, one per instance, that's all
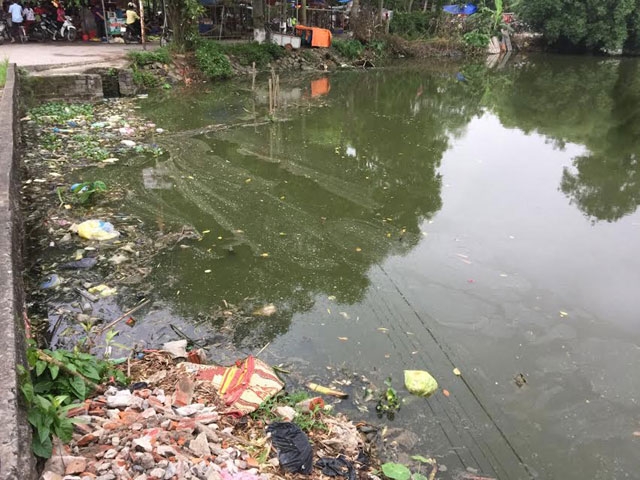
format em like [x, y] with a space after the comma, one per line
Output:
[39, 54]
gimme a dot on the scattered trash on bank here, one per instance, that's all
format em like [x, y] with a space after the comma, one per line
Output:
[295, 453]
[171, 424]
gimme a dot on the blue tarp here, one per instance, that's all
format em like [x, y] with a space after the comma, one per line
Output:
[467, 9]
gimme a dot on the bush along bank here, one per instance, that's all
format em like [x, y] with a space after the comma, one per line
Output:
[212, 60]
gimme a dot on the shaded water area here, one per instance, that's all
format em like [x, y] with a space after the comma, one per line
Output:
[423, 218]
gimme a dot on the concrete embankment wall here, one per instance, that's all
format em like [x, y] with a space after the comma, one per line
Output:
[16, 460]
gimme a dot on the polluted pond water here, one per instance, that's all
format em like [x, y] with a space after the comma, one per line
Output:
[478, 224]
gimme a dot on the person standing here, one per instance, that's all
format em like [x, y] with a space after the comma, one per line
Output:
[29, 17]
[15, 10]
[98, 15]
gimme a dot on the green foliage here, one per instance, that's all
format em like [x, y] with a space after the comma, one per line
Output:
[476, 39]
[183, 18]
[145, 78]
[388, 402]
[212, 61]
[140, 59]
[88, 147]
[588, 24]
[4, 64]
[50, 142]
[307, 421]
[396, 471]
[58, 112]
[412, 25]
[260, 53]
[56, 379]
[348, 48]
[488, 20]
[85, 192]
[378, 47]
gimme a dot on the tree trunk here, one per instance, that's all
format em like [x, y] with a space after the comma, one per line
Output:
[410, 6]
[355, 9]
[303, 13]
[259, 32]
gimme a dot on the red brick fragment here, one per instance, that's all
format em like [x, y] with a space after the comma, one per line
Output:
[86, 440]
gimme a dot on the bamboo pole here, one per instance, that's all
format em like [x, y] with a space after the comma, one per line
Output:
[142, 35]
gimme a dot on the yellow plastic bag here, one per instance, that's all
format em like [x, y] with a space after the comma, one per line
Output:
[419, 382]
[97, 230]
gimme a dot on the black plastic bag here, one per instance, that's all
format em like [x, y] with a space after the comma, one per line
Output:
[337, 467]
[294, 450]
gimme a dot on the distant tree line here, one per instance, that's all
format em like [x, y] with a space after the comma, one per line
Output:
[611, 25]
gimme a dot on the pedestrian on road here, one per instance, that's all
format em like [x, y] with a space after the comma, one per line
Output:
[99, 17]
[16, 20]
[29, 17]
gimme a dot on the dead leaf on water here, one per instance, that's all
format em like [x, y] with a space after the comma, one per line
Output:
[457, 371]
[264, 255]
[358, 249]
[248, 180]
[563, 314]
[345, 315]
[329, 311]
[331, 297]
[207, 271]
[445, 392]
[636, 434]
[343, 339]
[204, 232]
[383, 330]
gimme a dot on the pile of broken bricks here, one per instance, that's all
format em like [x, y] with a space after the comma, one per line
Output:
[142, 435]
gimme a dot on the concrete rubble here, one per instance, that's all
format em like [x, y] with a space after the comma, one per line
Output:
[124, 435]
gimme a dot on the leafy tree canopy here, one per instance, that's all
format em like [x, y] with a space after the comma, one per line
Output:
[585, 24]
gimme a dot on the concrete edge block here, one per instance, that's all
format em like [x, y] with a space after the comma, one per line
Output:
[16, 459]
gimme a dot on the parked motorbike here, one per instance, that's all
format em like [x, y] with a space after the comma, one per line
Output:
[48, 27]
[5, 34]
[68, 30]
[38, 32]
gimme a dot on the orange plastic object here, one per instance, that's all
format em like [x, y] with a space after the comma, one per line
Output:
[320, 87]
[320, 37]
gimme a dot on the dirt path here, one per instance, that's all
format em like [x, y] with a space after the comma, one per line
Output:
[42, 56]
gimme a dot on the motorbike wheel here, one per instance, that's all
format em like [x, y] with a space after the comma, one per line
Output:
[71, 34]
